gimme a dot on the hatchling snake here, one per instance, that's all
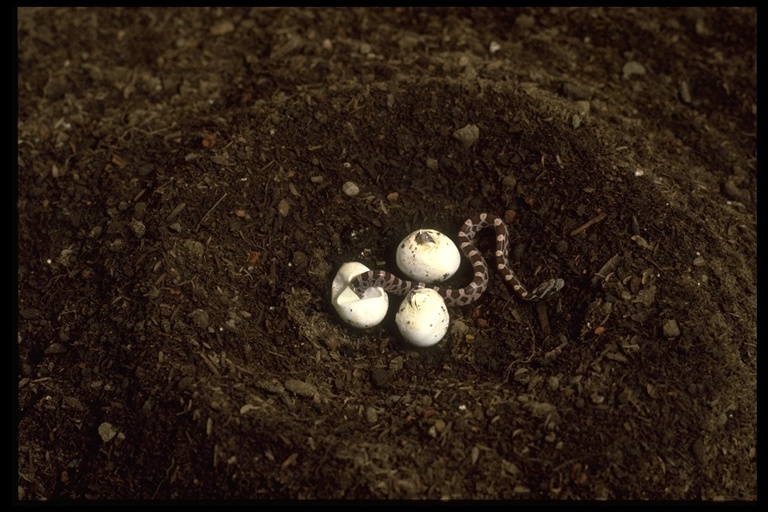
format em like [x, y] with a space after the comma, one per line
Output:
[473, 291]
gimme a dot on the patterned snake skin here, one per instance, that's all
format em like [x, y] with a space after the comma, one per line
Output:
[472, 292]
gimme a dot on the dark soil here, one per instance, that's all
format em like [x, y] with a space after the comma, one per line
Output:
[181, 214]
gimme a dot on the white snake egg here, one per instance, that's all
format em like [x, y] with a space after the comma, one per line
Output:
[423, 317]
[357, 312]
[428, 256]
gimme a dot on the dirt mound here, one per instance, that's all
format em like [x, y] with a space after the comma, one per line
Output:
[184, 202]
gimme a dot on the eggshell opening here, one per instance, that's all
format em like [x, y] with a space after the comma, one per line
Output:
[423, 317]
[358, 312]
[428, 256]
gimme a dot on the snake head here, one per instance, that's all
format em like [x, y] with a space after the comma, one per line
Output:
[357, 286]
[359, 290]
[423, 237]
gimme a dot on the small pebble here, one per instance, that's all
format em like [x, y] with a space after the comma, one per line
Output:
[509, 181]
[671, 329]
[525, 21]
[576, 121]
[633, 68]
[350, 189]
[371, 415]
[284, 207]
[138, 228]
[196, 249]
[107, 432]
[702, 29]
[301, 388]
[459, 329]
[222, 27]
[55, 348]
[468, 135]
[396, 364]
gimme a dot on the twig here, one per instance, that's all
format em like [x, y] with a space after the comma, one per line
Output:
[589, 223]
[209, 211]
[543, 319]
[606, 269]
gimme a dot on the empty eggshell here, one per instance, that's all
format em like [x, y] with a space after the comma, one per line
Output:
[422, 318]
[358, 312]
[428, 256]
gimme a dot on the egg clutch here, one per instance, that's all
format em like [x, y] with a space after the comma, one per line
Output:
[426, 257]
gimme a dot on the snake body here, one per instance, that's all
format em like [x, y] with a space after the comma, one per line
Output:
[473, 291]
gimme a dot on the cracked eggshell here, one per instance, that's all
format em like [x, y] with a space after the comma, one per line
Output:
[423, 317]
[357, 312]
[428, 256]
